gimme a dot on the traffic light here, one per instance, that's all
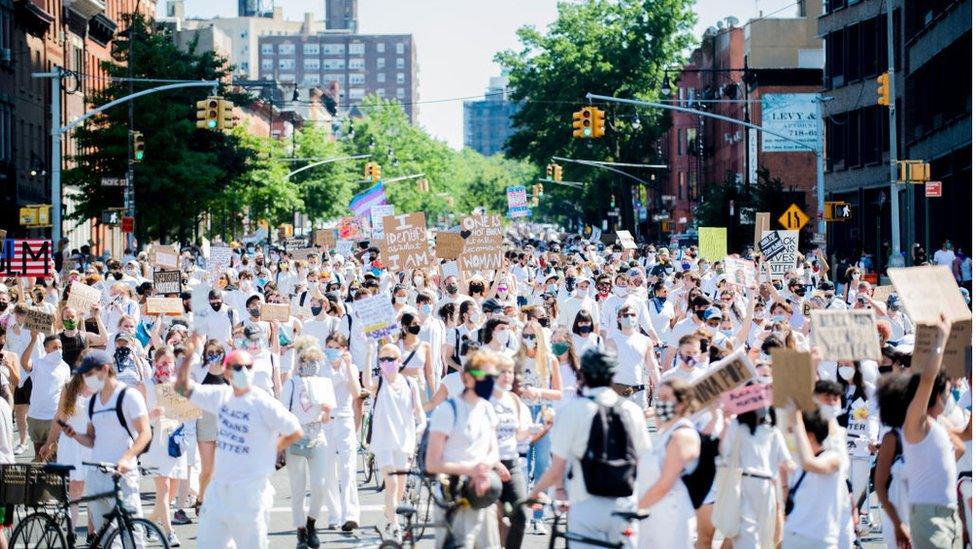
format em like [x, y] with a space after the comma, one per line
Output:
[372, 171]
[423, 185]
[557, 172]
[578, 124]
[914, 171]
[583, 123]
[225, 112]
[138, 146]
[208, 113]
[884, 90]
[599, 122]
[837, 211]
[537, 189]
[549, 171]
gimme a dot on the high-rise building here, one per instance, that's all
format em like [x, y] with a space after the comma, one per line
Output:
[342, 15]
[488, 121]
[255, 8]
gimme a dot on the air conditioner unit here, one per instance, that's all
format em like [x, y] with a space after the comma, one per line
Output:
[5, 55]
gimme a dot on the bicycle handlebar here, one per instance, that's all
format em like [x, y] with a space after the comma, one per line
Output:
[113, 468]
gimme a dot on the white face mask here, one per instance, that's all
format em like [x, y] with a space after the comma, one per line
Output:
[846, 372]
[94, 384]
[620, 291]
[242, 379]
[628, 322]
[56, 355]
[400, 299]
[830, 411]
[418, 281]
[502, 337]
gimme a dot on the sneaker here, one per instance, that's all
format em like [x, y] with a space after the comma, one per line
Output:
[173, 540]
[863, 527]
[349, 526]
[180, 518]
[20, 449]
[393, 532]
[151, 535]
[537, 529]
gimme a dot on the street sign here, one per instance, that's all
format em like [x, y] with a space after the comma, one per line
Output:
[128, 224]
[793, 219]
[114, 182]
[933, 189]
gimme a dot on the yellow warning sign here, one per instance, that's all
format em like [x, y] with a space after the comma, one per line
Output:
[793, 219]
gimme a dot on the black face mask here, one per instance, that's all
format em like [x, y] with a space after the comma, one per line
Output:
[254, 312]
[215, 306]
[484, 387]
[452, 289]
[584, 329]
[117, 276]
[316, 311]
[800, 291]
[413, 330]
[700, 314]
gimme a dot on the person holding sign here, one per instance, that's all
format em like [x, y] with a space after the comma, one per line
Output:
[48, 375]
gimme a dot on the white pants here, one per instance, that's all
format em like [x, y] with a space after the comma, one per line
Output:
[98, 482]
[341, 494]
[593, 518]
[757, 524]
[672, 522]
[314, 469]
[235, 514]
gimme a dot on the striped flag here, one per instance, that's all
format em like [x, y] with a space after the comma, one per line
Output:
[27, 257]
[362, 202]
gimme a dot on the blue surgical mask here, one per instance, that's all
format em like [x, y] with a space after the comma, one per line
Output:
[332, 355]
[426, 309]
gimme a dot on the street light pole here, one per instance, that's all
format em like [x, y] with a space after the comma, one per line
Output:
[896, 259]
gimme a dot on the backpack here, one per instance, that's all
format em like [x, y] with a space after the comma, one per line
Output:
[118, 414]
[425, 438]
[699, 482]
[609, 464]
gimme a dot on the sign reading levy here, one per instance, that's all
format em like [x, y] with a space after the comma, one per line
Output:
[405, 241]
[727, 374]
[518, 205]
[793, 116]
[482, 236]
[784, 258]
[845, 335]
[166, 282]
[82, 297]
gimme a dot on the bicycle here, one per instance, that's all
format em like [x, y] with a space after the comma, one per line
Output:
[42, 528]
[559, 517]
[435, 496]
[367, 461]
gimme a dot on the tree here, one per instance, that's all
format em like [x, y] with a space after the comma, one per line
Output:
[184, 168]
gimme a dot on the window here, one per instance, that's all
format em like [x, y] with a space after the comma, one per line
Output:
[357, 49]
[401, 93]
[286, 49]
[286, 64]
[681, 142]
[399, 63]
[267, 64]
[356, 93]
[310, 79]
[691, 143]
[357, 79]
[380, 62]
[311, 64]
[267, 49]
[693, 185]
[399, 48]
[286, 77]
[381, 93]
[334, 64]
[310, 49]
[682, 182]
[400, 78]
[6, 131]
[380, 47]
[333, 49]
[381, 77]
[357, 64]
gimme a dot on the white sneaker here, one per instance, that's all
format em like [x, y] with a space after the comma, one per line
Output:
[393, 532]
[173, 540]
[538, 529]
[20, 449]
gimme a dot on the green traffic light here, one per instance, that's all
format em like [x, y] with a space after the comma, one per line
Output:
[587, 132]
[139, 155]
[211, 124]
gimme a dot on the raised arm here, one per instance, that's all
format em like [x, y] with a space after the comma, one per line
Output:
[916, 425]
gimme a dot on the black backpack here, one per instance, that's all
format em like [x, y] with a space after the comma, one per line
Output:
[609, 464]
[118, 414]
[425, 437]
[699, 482]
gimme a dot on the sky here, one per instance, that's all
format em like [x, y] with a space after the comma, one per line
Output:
[456, 39]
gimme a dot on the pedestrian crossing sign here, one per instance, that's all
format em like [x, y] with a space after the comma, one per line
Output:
[793, 219]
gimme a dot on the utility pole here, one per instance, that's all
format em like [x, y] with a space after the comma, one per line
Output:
[130, 188]
[896, 259]
[55, 76]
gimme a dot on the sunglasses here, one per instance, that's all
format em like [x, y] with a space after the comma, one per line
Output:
[480, 374]
[239, 367]
[386, 359]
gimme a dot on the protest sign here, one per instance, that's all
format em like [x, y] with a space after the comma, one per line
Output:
[275, 311]
[219, 261]
[376, 315]
[325, 238]
[405, 242]
[957, 345]
[626, 240]
[727, 374]
[165, 257]
[376, 215]
[166, 282]
[175, 406]
[38, 321]
[747, 399]
[304, 253]
[711, 243]
[482, 236]
[448, 245]
[344, 248]
[352, 228]
[450, 268]
[295, 243]
[164, 306]
[81, 297]
[762, 224]
[782, 259]
[881, 293]
[742, 271]
[770, 244]
[793, 378]
[518, 205]
[200, 299]
[845, 335]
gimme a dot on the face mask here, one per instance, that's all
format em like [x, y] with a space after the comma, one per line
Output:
[333, 355]
[163, 372]
[94, 384]
[620, 291]
[254, 312]
[212, 358]
[628, 322]
[426, 309]
[215, 306]
[766, 379]
[122, 357]
[452, 289]
[635, 290]
[560, 349]
[579, 292]
[418, 281]
[726, 333]
[475, 318]
[846, 372]
[529, 342]
[242, 379]
[585, 329]
[413, 330]
[502, 290]
[664, 411]
[830, 411]
[484, 387]
[70, 324]
[316, 311]
[308, 369]
[117, 276]
[376, 271]
[552, 288]
[388, 368]
[400, 299]
[502, 337]
[56, 355]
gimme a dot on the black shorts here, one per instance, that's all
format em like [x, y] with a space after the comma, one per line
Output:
[22, 394]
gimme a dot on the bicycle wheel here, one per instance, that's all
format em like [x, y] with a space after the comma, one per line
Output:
[389, 544]
[369, 468]
[38, 531]
[425, 513]
[144, 534]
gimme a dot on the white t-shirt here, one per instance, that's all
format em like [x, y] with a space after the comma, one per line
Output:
[48, 375]
[944, 257]
[513, 416]
[452, 382]
[394, 424]
[304, 397]
[111, 438]
[320, 329]
[6, 433]
[631, 353]
[818, 505]
[264, 370]
[470, 429]
[248, 428]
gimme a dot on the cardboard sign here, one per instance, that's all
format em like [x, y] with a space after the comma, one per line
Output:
[275, 311]
[219, 261]
[448, 245]
[405, 242]
[81, 297]
[450, 268]
[626, 240]
[166, 282]
[845, 335]
[954, 357]
[742, 271]
[166, 257]
[174, 406]
[926, 291]
[352, 228]
[711, 243]
[881, 293]
[729, 373]
[793, 377]
[304, 253]
[762, 224]
[376, 215]
[37, 320]
[482, 236]
[344, 248]
[376, 315]
[325, 238]
[164, 306]
[748, 398]
[784, 260]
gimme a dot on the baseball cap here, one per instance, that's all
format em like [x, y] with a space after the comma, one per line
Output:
[712, 312]
[95, 358]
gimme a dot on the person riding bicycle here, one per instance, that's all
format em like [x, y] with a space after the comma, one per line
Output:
[118, 431]
[463, 444]
[594, 498]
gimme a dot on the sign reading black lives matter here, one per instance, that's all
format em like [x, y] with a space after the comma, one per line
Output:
[166, 282]
[482, 236]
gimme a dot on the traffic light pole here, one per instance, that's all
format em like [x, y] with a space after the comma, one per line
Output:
[818, 150]
[57, 130]
[325, 161]
[896, 259]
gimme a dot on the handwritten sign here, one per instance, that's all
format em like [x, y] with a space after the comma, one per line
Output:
[762, 224]
[748, 398]
[81, 297]
[881, 293]
[166, 257]
[325, 238]
[770, 244]
[845, 335]
[275, 311]
[219, 261]
[166, 282]
[742, 271]
[304, 253]
[450, 268]
[376, 315]
[344, 248]
[957, 346]
[793, 378]
[352, 228]
[712, 243]
[174, 406]
[517, 202]
[784, 260]
[729, 373]
[448, 245]
[405, 241]
[164, 306]
[482, 236]
[376, 215]
[626, 240]
[38, 321]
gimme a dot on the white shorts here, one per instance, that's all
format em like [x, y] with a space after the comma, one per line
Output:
[392, 458]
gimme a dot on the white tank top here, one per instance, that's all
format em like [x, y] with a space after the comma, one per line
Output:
[340, 382]
[630, 357]
[930, 466]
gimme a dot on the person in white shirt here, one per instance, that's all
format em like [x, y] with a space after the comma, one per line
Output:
[580, 301]
[253, 428]
[636, 354]
[322, 324]
[48, 375]
[945, 256]
[433, 331]
[220, 321]
[266, 365]
[661, 309]
[514, 419]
